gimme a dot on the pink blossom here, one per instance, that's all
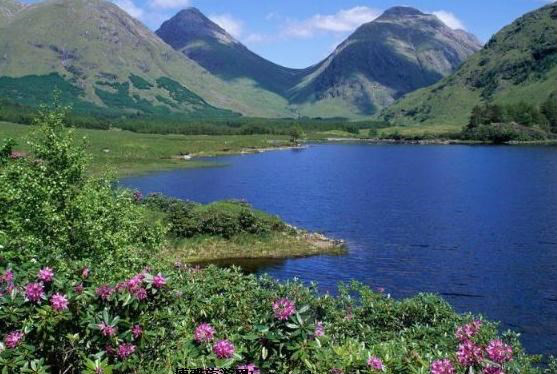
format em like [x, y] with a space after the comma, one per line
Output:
[107, 330]
[59, 302]
[16, 155]
[380, 289]
[104, 291]
[283, 309]
[13, 339]
[85, 272]
[319, 329]
[493, 370]
[8, 277]
[204, 333]
[140, 293]
[466, 332]
[251, 368]
[469, 353]
[499, 352]
[134, 282]
[223, 349]
[46, 274]
[78, 288]
[159, 281]
[125, 350]
[34, 292]
[442, 367]
[137, 331]
[375, 363]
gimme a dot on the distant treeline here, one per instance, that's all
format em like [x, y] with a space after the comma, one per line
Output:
[177, 124]
[521, 121]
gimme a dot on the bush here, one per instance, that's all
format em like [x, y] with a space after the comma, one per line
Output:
[52, 210]
[226, 219]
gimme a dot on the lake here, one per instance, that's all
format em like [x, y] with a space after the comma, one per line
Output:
[476, 224]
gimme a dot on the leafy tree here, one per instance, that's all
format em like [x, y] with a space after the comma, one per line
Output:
[296, 133]
[549, 110]
[52, 209]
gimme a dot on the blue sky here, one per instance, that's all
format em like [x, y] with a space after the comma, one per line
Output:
[299, 33]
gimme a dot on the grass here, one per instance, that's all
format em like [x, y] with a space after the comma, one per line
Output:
[128, 153]
[273, 246]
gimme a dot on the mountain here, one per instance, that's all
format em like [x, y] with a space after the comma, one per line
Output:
[399, 52]
[203, 41]
[518, 64]
[105, 61]
[8, 8]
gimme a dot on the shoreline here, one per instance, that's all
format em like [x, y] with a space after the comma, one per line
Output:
[432, 141]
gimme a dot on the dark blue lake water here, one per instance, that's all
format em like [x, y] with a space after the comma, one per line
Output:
[476, 224]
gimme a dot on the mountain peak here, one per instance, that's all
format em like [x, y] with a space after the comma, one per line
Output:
[401, 11]
[191, 24]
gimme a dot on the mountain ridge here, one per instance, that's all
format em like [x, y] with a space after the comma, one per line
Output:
[519, 63]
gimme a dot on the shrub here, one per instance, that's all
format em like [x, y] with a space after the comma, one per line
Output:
[51, 209]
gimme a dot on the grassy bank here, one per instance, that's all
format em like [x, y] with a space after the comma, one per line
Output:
[127, 153]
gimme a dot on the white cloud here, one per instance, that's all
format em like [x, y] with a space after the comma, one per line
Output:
[232, 25]
[449, 19]
[345, 20]
[255, 38]
[129, 7]
[169, 4]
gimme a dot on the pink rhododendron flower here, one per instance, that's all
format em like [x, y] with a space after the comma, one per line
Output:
[283, 309]
[46, 274]
[442, 367]
[137, 331]
[78, 288]
[375, 363]
[140, 293]
[159, 281]
[106, 329]
[85, 273]
[59, 302]
[319, 329]
[499, 352]
[134, 282]
[8, 277]
[13, 339]
[251, 368]
[104, 291]
[469, 353]
[204, 333]
[125, 350]
[223, 349]
[34, 292]
[466, 332]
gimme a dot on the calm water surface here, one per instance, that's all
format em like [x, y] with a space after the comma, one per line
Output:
[476, 224]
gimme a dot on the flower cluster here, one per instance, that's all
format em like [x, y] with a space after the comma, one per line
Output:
[499, 352]
[283, 309]
[204, 333]
[375, 363]
[13, 339]
[224, 349]
[319, 329]
[470, 354]
[59, 302]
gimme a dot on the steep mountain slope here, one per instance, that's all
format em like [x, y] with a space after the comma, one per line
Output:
[519, 63]
[105, 60]
[8, 8]
[401, 51]
[199, 38]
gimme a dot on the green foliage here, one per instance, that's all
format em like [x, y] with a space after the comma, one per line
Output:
[226, 218]
[140, 83]
[51, 209]
[105, 281]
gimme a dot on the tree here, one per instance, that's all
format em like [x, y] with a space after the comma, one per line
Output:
[296, 133]
[549, 110]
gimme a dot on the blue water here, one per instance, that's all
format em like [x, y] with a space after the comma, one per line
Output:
[476, 224]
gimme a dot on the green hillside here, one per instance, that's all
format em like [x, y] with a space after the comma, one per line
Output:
[518, 64]
[107, 61]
